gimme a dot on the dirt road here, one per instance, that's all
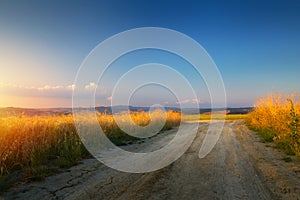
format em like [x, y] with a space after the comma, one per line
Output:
[239, 167]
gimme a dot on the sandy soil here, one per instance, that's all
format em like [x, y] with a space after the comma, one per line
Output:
[239, 167]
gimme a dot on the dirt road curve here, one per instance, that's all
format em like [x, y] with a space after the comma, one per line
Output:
[239, 167]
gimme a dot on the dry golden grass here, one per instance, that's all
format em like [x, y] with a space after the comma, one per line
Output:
[196, 117]
[276, 118]
[35, 144]
[29, 142]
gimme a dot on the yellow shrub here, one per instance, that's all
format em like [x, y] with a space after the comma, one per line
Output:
[272, 118]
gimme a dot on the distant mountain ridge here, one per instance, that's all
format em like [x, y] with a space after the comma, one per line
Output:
[108, 109]
[122, 108]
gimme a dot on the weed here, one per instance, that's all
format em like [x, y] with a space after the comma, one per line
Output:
[287, 159]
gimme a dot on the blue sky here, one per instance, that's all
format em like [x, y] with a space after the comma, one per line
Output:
[255, 44]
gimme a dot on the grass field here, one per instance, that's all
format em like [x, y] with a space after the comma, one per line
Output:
[34, 146]
[276, 118]
[214, 117]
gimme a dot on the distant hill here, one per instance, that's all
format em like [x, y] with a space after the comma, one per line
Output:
[244, 110]
[121, 108]
[239, 110]
[60, 111]
[11, 111]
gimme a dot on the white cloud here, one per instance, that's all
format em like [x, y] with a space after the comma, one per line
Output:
[48, 87]
[90, 86]
[197, 101]
[100, 91]
[33, 91]
[71, 87]
[189, 101]
[183, 102]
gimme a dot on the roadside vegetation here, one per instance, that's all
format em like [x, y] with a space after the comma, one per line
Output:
[32, 147]
[276, 119]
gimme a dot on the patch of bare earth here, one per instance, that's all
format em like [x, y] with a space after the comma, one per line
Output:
[239, 167]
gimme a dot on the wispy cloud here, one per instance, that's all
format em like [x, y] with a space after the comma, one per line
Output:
[90, 86]
[57, 87]
[45, 87]
[197, 101]
[183, 101]
[189, 101]
[53, 91]
[100, 90]
[33, 91]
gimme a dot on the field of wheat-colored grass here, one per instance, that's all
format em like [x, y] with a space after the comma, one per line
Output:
[205, 117]
[276, 118]
[37, 145]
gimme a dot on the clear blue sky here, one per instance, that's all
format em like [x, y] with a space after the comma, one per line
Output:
[255, 44]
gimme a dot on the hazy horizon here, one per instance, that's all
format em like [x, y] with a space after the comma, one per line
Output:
[135, 106]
